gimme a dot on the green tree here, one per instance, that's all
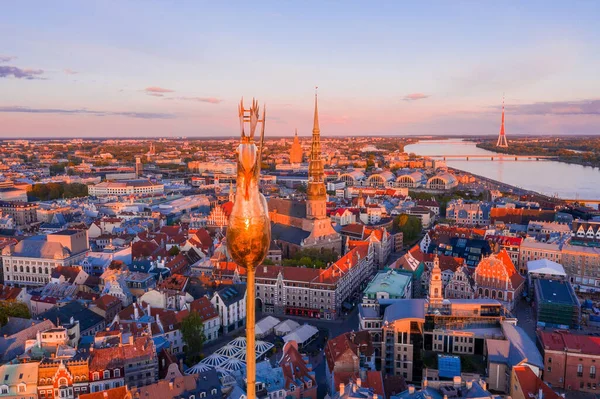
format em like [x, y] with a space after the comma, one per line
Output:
[174, 251]
[192, 331]
[13, 309]
[409, 225]
[312, 258]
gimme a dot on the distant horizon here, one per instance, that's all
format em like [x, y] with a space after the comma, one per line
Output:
[134, 68]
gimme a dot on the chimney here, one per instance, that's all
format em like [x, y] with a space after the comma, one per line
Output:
[131, 339]
[171, 385]
[540, 394]
[341, 388]
[483, 384]
[411, 389]
[469, 384]
[358, 382]
[425, 383]
[375, 396]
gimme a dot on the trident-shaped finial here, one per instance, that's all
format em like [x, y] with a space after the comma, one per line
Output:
[251, 116]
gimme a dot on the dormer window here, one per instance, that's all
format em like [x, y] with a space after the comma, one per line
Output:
[106, 373]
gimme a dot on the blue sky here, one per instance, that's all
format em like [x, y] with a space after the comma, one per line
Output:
[161, 68]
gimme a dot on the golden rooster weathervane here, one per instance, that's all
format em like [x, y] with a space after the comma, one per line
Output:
[249, 229]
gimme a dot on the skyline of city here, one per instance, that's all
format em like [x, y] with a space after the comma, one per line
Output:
[157, 70]
[404, 204]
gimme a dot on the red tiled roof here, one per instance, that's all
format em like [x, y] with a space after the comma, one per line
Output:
[531, 384]
[106, 302]
[204, 308]
[174, 282]
[142, 348]
[144, 249]
[565, 341]
[114, 393]
[203, 238]
[293, 365]
[350, 341]
[178, 264]
[354, 228]
[374, 380]
[70, 273]
[171, 231]
[9, 293]
[504, 240]
[106, 358]
[488, 268]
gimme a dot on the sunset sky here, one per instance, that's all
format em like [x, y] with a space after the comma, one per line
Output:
[179, 68]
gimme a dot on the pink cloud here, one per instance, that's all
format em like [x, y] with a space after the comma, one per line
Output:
[156, 89]
[69, 71]
[210, 100]
[415, 96]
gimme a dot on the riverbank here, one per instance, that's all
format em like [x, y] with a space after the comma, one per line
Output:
[505, 187]
[549, 177]
[564, 155]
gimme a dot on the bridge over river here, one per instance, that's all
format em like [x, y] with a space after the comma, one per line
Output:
[495, 157]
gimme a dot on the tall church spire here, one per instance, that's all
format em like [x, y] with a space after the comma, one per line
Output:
[316, 181]
[316, 120]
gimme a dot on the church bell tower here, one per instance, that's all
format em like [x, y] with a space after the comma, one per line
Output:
[316, 204]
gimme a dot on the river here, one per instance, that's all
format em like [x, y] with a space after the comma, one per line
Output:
[547, 177]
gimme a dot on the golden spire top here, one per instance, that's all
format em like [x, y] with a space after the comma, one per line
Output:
[316, 121]
[296, 132]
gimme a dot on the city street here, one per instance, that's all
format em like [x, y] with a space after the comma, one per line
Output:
[526, 319]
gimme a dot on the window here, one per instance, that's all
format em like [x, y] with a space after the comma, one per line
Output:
[106, 373]
[593, 372]
[117, 372]
[96, 376]
[580, 371]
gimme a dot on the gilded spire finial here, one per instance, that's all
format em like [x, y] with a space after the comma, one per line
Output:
[316, 120]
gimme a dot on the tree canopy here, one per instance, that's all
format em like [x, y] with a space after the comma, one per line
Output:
[409, 225]
[51, 191]
[192, 331]
[313, 258]
[13, 309]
